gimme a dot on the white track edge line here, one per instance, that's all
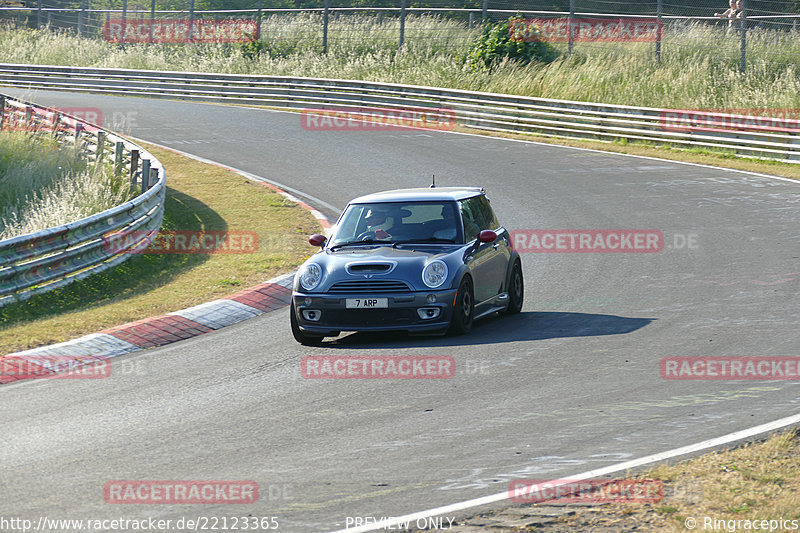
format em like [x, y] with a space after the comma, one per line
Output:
[634, 463]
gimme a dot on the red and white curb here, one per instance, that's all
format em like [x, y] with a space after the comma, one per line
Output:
[149, 332]
[152, 332]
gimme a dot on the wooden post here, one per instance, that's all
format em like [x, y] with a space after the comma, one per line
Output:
[145, 175]
[134, 167]
[118, 151]
[101, 147]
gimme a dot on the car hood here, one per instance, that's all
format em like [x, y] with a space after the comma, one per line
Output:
[403, 263]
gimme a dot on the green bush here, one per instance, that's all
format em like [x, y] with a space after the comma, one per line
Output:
[495, 44]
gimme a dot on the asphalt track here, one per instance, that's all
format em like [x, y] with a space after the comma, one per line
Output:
[570, 384]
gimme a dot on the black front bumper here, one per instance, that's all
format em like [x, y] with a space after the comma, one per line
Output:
[401, 315]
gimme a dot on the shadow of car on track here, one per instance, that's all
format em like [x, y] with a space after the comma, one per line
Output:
[526, 326]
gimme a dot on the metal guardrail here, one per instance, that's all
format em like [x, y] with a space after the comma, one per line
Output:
[745, 136]
[38, 262]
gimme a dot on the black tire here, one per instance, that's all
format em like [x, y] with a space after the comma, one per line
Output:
[516, 291]
[300, 336]
[464, 310]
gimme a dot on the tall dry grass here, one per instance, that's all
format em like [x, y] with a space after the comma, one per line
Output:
[699, 66]
[43, 185]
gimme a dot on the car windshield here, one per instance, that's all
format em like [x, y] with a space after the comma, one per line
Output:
[400, 222]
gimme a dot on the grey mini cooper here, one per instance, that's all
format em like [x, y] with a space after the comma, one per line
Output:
[418, 260]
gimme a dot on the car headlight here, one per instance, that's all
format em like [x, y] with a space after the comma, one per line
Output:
[434, 274]
[310, 276]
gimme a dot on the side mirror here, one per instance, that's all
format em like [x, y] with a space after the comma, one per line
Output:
[317, 239]
[487, 235]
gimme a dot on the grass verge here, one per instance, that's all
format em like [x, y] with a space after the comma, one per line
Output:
[754, 482]
[199, 197]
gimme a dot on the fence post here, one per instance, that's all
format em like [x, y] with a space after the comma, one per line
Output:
[28, 117]
[124, 19]
[258, 21]
[191, 20]
[569, 25]
[660, 9]
[134, 167]
[743, 29]
[81, 15]
[402, 22]
[118, 151]
[325, 17]
[2, 110]
[39, 14]
[484, 11]
[145, 175]
[152, 17]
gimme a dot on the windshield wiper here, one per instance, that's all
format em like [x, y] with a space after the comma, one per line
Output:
[353, 243]
[425, 241]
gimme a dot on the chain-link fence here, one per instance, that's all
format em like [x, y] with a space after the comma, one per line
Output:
[751, 30]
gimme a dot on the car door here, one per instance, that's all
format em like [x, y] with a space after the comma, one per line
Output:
[499, 260]
[485, 260]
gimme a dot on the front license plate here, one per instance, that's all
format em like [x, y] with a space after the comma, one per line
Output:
[366, 303]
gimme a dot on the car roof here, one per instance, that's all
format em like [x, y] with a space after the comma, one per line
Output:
[420, 194]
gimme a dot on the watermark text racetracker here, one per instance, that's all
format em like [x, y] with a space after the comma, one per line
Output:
[377, 119]
[757, 368]
[586, 490]
[194, 523]
[181, 242]
[378, 367]
[179, 31]
[599, 241]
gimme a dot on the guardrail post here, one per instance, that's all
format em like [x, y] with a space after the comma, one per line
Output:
[118, 151]
[402, 22]
[471, 20]
[134, 167]
[484, 11]
[101, 147]
[38, 14]
[743, 29]
[325, 17]
[2, 110]
[28, 117]
[145, 175]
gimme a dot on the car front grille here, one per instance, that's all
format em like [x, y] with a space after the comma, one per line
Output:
[369, 317]
[368, 286]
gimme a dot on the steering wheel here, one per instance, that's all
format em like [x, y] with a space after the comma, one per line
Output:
[367, 235]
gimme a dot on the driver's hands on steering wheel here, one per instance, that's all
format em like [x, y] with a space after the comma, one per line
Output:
[381, 234]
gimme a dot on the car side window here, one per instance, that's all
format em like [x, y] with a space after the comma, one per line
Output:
[473, 219]
[487, 214]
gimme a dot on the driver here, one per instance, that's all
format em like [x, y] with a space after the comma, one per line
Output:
[374, 219]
